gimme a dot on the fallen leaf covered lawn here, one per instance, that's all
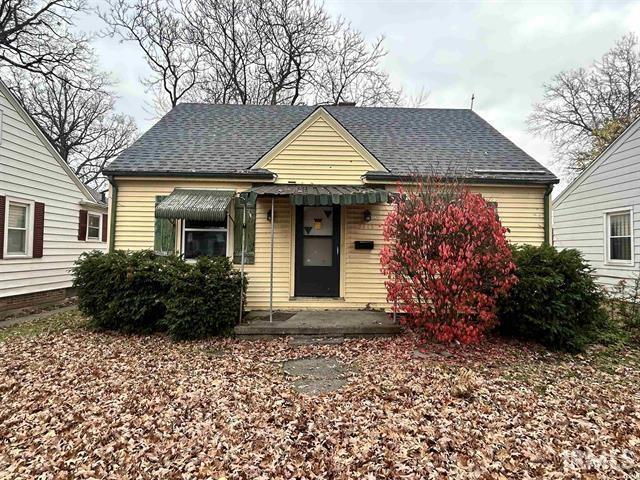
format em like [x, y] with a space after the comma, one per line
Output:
[79, 404]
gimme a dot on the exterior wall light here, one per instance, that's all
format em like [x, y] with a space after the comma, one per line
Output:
[269, 215]
[367, 216]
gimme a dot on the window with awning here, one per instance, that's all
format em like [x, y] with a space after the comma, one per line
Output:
[203, 215]
[200, 205]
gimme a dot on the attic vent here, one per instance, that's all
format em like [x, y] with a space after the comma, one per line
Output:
[346, 104]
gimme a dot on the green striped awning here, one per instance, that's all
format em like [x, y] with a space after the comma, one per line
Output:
[207, 205]
[321, 194]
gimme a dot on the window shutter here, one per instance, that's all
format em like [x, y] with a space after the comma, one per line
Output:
[105, 222]
[82, 225]
[164, 241]
[38, 229]
[250, 233]
[3, 203]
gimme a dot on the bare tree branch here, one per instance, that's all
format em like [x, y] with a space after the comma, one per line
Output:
[353, 72]
[159, 30]
[36, 36]
[584, 110]
[79, 121]
[252, 51]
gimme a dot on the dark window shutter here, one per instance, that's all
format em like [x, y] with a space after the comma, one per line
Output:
[105, 223]
[82, 225]
[164, 241]
[250, 234]
[3, 204]
[38, 229]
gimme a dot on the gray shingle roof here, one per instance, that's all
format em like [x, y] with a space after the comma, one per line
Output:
[204, 139]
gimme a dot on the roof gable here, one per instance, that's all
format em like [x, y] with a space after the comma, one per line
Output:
[17, 105]
[319, 150]
[598, 162]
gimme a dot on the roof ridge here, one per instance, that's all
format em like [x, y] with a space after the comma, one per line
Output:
[331, 106]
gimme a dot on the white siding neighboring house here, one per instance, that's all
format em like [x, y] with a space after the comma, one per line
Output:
[47, 216]
[599, 212]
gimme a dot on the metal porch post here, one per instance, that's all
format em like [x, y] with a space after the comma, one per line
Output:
[273, 216]
[244, 230]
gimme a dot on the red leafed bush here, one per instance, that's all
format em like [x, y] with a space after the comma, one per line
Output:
[447, 261]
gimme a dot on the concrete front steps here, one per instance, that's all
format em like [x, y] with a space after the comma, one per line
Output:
[318, 324]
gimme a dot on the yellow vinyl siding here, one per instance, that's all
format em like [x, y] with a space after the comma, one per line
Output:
[362, 285]
[521, 210]
[319, 155]
[258, 273]
[363, 281]
[135, 210]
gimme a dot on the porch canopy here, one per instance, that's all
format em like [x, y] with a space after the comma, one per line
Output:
[315, 195]
[203, 205]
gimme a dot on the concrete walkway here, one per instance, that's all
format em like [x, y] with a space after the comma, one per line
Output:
[35, 316]
[317, 375]
[335, 323]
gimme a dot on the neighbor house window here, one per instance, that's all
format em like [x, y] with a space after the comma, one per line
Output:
[18, 229]
[619, 241]
[203, 238]
[93, 226]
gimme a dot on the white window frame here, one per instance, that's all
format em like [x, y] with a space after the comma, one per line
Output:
[607, 229]
[99, 237]
[183, 229]
[30, 204]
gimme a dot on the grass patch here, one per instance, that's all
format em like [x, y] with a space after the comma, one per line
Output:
[611, 358]
[71, 319]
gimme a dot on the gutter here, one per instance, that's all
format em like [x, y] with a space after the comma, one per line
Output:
[263, 176]
[374, 177]
[112, 213]
[99, 206]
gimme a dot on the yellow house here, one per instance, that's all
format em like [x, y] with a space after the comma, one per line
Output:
[297, 195]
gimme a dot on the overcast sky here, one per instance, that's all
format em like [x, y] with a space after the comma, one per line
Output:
[503, 51]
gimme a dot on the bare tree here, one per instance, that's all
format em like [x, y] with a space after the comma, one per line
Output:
[292, 42]
[584, 110]
[222, 29]
[417, 99]
[258, 51]
[35, 35]
[352, 72]
[159, 29]
[252, 51]
[79, 120]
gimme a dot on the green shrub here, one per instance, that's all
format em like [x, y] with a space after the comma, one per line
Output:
[556, 301]
[204, 299]
[624, 302]
[122, 290]
[145, 292]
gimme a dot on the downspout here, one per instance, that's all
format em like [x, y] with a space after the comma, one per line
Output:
[112, 214]
[548, 240]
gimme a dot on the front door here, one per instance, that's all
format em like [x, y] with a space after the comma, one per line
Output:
[317, 251]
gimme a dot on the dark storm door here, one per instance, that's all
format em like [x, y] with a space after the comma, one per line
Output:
[317, 251]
